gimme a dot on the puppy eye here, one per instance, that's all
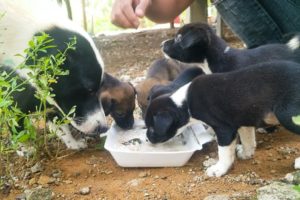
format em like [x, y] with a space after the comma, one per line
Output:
[178, 38]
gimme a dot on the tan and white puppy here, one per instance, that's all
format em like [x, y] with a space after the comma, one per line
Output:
[118, 100]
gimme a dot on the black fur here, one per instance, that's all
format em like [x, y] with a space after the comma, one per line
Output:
[184, 77]
[80, 88]
[82, 85]
[197, 41]
[228, 101]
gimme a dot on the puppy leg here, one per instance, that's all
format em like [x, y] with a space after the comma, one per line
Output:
[64, 133]
[247, 148]
[226, 154]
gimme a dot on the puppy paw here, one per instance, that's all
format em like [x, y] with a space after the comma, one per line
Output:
[297, 163]
[242, 153]
[76, 144]
[216, 170]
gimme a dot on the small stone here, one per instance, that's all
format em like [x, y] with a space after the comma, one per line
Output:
[32, 181]
[38, 194]
[293, 178]
[20, 197]
[277, 190]
[85, 191]
[144, 174]
[217, 197]
[27, 175]
[68, 181]
[134, 182]
[56, 174]
[146, 194]
[36, 168]
[43, 180]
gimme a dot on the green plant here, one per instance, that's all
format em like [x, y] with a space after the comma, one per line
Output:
[43, 72]
[297, 188]
[296, 119]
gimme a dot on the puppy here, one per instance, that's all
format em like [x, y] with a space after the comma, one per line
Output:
[184, 77]
[20, 24]
[160, 72]
[118, 100]
[197, 42]
[248, 97]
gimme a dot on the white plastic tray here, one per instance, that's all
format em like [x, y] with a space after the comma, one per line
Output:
[173, 153]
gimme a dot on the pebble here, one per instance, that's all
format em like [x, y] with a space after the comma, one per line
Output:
[36, 168]
[144, 174]
[32, 181]
[85, 191]
[43, 180]
[68, 181]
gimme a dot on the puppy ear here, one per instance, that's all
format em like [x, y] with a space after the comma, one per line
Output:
[106, 102]
[135, 92]
[194, 37]
[162, 122]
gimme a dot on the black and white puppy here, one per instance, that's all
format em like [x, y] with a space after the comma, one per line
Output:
[18, 25]
[196, 42]
[248, 97]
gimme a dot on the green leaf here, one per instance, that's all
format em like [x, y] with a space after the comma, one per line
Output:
[296, 120]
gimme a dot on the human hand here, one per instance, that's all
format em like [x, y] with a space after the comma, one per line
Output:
[126, 13]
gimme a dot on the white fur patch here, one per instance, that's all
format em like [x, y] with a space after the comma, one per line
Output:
[204, 66]
[226, 49]
[247, 148]
[21, 21]
[64, 133]
[294, 43]
[180, 95]
[226, 158]
[92, 122]
[191, 122]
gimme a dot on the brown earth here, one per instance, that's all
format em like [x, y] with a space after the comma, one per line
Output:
[130, 55]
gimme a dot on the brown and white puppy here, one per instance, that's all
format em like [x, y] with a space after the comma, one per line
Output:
[118, 100]
[228, 102]
[160, 72]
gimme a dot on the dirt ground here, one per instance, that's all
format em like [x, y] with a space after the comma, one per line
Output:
[128, 56]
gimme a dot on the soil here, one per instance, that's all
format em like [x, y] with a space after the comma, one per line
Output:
[128, 55]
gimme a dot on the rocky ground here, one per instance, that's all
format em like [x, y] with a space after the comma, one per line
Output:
[93, 174]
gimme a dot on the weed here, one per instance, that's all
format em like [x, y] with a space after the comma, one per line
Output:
[42, 72]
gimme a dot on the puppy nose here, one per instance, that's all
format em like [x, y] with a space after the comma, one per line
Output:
[102, 129]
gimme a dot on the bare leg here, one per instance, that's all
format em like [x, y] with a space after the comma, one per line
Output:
[247, 148]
